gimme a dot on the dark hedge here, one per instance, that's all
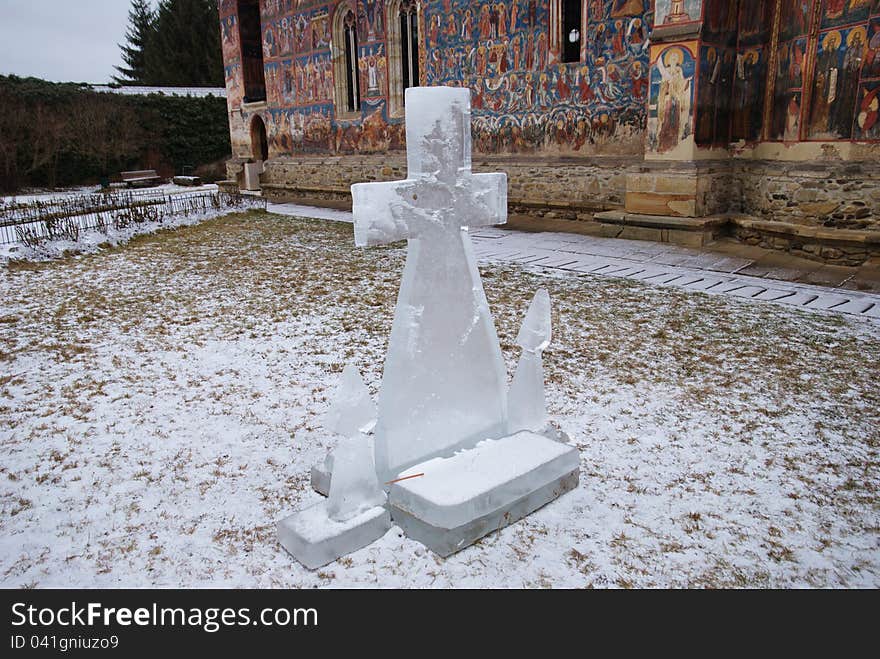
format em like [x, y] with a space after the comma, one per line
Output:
[57, 134]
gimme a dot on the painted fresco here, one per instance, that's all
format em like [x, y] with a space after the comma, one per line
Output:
[788, 92]
[835, 83]
[669, 12]
[871, 65]
[672, 96]
[795, 18]
[372, 65]
[227, 7]
[748, 94]
[720, 22]
[755, 22]
[371, 20]
[844, 12]
[229, 37]
[234, 86]
[867, 123]
[523, 102]
[714, 91]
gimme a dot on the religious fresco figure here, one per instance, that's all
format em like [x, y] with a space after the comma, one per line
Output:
[868, 118]
[843, 12]
[841, 119]
[635, 34]
[825, 82]
[674, 100]
[748, 96]
[720, 21]
[707, 95]
[756, 18]
[796, 18]
[792, 119]
[467, 25]
[639, 81]
[724, 99]
[871, 65]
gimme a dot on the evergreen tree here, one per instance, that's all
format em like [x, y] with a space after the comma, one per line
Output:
[185, 48]
[141, 26]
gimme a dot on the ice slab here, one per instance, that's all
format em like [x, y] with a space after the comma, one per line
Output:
[479, 490]
[313, 538]
[443, 385]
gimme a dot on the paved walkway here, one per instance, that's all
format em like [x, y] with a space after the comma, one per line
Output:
[702, 270]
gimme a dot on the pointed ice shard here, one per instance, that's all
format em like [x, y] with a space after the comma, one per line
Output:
[354, 487]
[352, 410]
[526, 403]
[536, 331]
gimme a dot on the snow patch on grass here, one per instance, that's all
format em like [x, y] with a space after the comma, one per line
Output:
[160, 408]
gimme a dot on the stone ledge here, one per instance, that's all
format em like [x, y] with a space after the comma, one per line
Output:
[821, 234]
[662, 221]
[684, 231]
[676, 32]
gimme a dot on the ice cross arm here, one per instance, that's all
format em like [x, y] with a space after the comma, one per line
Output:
[440, 194]
[388, 212]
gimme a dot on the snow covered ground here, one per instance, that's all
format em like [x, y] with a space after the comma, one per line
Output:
[160, 409]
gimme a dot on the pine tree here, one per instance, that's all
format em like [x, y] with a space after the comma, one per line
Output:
[185, 49]
[141, 28]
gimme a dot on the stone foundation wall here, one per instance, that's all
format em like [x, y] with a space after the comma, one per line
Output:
[834, 195]
[691, 189]
[557, 188]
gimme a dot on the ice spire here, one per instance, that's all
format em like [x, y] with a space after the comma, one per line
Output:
[527, 407]
[354, 487]
[352, 410]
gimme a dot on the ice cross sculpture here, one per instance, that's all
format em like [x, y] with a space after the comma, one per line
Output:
[444, 381]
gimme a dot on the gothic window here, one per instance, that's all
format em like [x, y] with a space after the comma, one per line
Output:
[566, 29]
[251, 33]
[403, 25]
[346, 72]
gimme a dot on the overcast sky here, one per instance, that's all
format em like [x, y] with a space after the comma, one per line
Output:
[62, 40]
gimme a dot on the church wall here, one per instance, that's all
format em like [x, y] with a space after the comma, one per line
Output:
[524, 99]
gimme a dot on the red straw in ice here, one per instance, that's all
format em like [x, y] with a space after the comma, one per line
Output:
[405, 478]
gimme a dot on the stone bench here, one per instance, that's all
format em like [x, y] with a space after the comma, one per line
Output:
[142, 178]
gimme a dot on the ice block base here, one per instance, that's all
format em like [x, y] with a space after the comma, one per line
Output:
[480, 490]
[314, 539]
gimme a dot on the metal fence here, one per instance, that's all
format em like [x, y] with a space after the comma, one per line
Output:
[64, 218]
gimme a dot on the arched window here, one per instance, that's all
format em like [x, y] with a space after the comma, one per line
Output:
[259, 140]
[251, 32]
[403, 47]
[566, 29]
[346, 76]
